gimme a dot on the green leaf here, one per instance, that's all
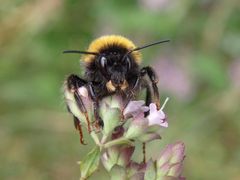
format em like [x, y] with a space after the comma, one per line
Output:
[110, 113]
[150, 173]
[111, 119]
[90, 163]
[118, 173]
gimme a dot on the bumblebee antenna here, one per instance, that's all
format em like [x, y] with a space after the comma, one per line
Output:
[145, 46]
[80, 52]
[148, 45]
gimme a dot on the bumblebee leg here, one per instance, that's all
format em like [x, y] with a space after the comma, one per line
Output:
[82, 109]
[154, 80]
[99, 121]
[73, 83]
[148, 98]
[78, 126]
[132, 92]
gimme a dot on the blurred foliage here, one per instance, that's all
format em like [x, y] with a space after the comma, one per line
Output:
[201, 67]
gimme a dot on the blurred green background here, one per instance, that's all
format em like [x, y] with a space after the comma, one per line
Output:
[199, 70]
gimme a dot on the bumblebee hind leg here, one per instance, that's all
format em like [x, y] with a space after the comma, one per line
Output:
[72, 84]
[78, 126]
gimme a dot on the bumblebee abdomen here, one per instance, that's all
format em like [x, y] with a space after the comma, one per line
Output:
[110, 43]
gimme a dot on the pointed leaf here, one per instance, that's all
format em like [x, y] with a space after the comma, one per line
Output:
[90, 163]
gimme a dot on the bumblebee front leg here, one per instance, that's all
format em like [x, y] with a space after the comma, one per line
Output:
[154, 80]
[73, 83]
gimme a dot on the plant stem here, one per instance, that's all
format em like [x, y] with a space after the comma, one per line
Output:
[95, 138]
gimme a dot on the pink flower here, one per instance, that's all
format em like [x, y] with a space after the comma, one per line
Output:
[135, 108]
[156, 117]
[139, 125]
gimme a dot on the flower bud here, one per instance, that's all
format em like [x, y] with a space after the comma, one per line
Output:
[170, 161]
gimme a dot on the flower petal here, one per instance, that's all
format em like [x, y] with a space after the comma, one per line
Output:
[164, 124]
[134, 108]
[156, 117]
[153, 108]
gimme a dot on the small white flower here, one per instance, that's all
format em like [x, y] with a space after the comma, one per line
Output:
[156, 117]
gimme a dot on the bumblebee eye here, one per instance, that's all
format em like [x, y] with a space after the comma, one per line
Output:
[128, 62]
[103, 61]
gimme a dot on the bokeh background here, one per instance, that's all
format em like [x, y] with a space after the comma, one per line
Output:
[199, 70]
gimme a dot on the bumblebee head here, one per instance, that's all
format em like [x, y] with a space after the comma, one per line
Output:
[115, 57]
[113, 60]
[115, 66]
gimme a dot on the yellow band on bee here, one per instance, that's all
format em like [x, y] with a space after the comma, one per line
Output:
[105, 42]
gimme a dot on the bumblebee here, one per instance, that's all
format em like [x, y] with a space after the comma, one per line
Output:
[112, 66]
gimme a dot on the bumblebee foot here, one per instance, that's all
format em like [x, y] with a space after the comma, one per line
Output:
[78, 126]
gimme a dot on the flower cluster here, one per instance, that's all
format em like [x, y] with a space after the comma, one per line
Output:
[116, 141]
